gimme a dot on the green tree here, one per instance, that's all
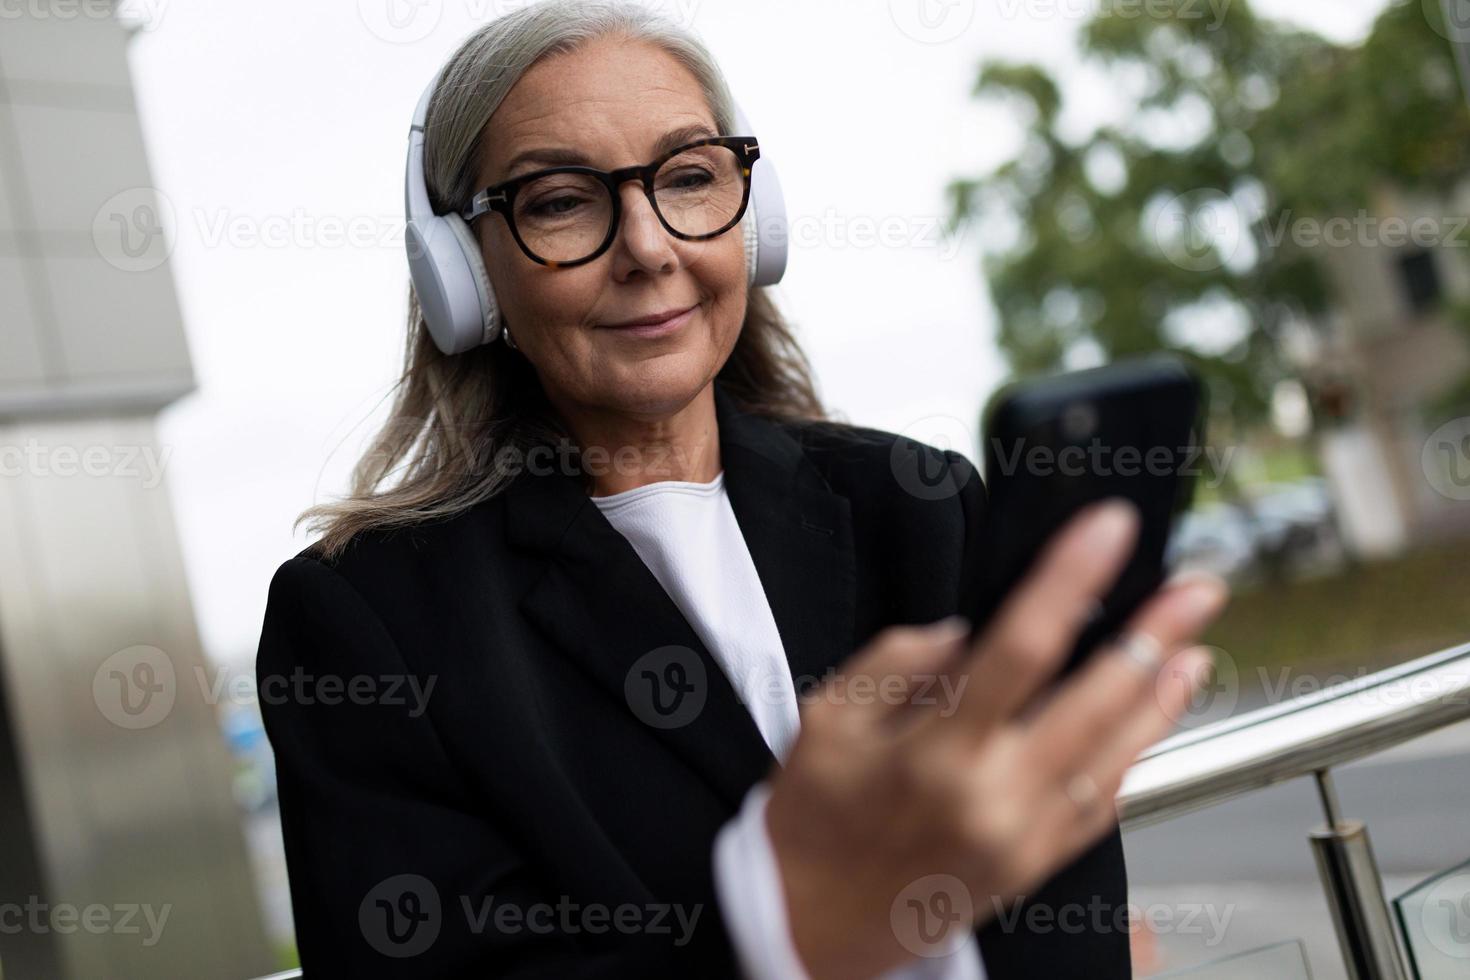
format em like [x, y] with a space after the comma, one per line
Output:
[1132, 238]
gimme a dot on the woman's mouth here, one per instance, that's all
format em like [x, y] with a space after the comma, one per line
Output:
[654, 325]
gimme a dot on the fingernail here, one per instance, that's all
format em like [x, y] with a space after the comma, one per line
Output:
[1112, 524]
[949, 628]
[1206, 596]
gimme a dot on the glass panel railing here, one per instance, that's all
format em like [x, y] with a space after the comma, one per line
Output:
[1434, 916]
[1280, 961]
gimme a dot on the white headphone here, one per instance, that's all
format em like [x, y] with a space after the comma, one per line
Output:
[448, 271]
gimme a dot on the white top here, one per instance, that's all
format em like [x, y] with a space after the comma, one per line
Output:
[687, 535]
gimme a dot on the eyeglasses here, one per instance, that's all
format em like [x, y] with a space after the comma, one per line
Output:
[565, 216]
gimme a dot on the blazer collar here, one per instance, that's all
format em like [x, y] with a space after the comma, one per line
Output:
[604, 610]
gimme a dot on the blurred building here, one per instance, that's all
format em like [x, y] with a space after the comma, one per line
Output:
[123, 854]
[1397, 340]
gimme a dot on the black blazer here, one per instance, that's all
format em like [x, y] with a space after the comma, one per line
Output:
[525, 810]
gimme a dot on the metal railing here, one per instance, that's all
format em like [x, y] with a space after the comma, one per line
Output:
[1307, 736]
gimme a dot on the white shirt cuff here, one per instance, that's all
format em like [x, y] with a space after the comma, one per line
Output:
[754, 907]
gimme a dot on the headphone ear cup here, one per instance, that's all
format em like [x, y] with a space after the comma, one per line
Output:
[449, 281]
[475, 259]
[765, 218]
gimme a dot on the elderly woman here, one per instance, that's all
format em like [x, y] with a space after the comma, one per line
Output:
[637, 666]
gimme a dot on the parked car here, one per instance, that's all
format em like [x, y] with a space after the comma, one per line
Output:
[1280, 526]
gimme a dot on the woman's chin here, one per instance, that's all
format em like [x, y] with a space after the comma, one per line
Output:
[659, 386]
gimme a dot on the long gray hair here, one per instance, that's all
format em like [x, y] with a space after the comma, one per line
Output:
[454, 416]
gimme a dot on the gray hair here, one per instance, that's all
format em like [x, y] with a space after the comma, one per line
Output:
[485, 68]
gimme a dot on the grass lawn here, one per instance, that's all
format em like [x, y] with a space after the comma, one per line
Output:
[1370, 615]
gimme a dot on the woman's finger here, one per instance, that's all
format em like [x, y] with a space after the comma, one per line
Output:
[1118, 681]
[1035, 627]
[1081, 805]
[884, 676]
[1177, 684]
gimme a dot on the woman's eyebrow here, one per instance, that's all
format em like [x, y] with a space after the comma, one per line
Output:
[566, 156]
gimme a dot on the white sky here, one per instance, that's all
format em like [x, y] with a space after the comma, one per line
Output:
[274, 125]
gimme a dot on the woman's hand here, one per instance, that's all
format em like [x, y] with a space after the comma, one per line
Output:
[951, 807]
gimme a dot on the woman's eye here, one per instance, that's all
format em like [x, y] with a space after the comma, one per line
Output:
[554, 207]
[688, 179]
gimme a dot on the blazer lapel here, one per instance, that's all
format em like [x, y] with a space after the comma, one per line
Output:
[604, 609]
[799, 534]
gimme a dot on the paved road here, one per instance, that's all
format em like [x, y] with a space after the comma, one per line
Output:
[1241, 875]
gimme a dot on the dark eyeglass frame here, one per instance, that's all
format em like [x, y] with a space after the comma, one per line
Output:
[501, 197]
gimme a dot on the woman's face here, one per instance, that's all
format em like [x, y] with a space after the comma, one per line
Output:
[612, 101]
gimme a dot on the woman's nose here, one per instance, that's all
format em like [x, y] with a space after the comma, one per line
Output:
[642, 236]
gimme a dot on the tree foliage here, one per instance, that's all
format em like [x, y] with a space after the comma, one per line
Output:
[1150, 233]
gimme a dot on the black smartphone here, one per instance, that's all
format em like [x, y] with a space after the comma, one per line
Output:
[1132, 429]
